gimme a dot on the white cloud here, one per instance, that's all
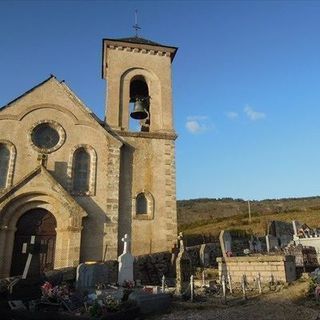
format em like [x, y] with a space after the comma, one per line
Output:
[232, 115]
[198, 118]
[253, 115]
[193, 126]
[198, 124]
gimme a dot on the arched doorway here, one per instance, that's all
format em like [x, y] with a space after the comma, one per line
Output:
[40, 223]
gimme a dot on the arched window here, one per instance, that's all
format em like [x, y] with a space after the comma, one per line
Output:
[141, 204]
[81, 170]
[4, 165]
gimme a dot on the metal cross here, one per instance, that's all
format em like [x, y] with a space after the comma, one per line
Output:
[136, 26]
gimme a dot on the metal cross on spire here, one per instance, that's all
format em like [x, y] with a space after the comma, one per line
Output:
[136, 26]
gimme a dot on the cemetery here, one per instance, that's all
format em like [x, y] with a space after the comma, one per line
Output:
[239, 271]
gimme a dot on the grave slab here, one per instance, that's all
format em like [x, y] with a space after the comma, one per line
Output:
[151, 303]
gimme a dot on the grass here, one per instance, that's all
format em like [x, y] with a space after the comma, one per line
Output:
[258, 225]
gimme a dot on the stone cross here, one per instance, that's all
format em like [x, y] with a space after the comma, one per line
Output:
[42, 158]
[225, 243]
[183, 269]
[125, 271]
[180, 239]
[125, 241]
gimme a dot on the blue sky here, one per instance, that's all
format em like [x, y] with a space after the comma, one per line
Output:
[246, 81]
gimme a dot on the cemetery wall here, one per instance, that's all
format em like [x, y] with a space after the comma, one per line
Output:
[309, 242]
[150, 268]
[306, 257]
[312, 242]
[204, 255]
[282, 268]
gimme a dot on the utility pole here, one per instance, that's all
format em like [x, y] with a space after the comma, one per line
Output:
[249, 211]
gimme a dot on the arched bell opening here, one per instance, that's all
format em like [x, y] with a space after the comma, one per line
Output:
[139, 105]
[40, 224]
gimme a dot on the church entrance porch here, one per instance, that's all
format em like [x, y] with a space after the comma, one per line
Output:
[39, 206]
[41, 224]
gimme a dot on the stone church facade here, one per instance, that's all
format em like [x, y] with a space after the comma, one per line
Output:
[78, 184]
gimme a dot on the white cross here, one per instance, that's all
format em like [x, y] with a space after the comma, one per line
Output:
[24, 250]
[125, 241]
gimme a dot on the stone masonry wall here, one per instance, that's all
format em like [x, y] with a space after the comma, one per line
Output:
[150, 268]
[282, 268]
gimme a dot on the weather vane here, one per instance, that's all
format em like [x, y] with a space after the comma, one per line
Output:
[136, 26]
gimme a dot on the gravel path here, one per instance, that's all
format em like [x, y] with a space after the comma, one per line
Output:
[275, 306]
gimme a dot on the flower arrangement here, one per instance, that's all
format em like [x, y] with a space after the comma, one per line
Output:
[128, 284]
[111, 304]
[55, 293]
[96, 310]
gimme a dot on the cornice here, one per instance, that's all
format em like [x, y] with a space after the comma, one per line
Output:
[148, 135]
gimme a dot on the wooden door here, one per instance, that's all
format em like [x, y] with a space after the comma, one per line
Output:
[41, 224]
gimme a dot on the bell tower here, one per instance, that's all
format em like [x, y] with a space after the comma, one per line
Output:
[139, 110]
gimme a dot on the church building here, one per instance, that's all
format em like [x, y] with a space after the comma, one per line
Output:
[77, 183]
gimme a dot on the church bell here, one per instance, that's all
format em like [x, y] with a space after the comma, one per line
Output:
[139, 112]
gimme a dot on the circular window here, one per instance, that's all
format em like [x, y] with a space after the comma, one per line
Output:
[47, 136]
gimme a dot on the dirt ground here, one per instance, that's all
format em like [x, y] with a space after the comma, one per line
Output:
[288, 304]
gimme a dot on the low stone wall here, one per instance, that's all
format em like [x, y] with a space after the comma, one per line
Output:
[306, 257]
[150, 268]
[204, 255]
[311, 242]
[282, 268]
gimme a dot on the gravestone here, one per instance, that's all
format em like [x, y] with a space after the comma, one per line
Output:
[125, 260]
[183, 268]
[284, 231]
[91, 274]
[258, 245]
[296, 227]
[272, 242]
[305, 256]
[285, 239]
[255, 244]
[225, 243]
[174, 254]
[205, 254]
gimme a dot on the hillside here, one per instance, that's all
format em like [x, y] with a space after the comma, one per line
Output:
[206, 217]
